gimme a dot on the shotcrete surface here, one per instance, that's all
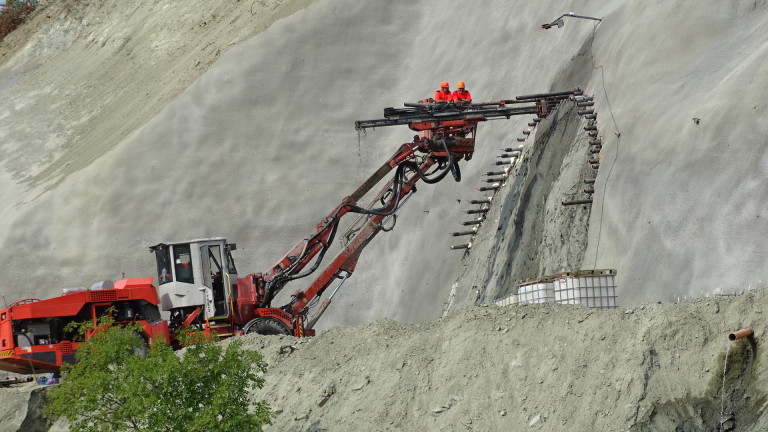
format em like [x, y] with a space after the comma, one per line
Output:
[126, 124]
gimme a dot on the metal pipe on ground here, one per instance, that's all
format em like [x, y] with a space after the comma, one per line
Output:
[585, 112]
[738, 334]
[472, 222]
[476, 211]
[493, 173]
[589, 191]
[514, 149]
[481, 201]
[494, 179]
[463, 233]
[589, 181]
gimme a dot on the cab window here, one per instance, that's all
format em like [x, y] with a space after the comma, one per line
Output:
[182, 259]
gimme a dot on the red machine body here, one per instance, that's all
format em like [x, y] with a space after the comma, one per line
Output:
[32, 335]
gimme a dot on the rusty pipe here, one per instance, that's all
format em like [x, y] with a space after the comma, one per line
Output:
[738, 334]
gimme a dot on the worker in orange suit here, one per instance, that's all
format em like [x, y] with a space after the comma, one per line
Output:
[461, 95]
[444, 94]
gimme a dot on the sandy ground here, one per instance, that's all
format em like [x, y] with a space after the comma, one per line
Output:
[657, 367]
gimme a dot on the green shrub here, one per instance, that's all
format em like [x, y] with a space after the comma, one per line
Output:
[111, 388]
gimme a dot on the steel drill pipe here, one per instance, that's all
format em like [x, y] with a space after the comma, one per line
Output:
[594, 161]
[589, 191]
[463, 233]
[577, 202]
[472, 222]
[589, 181]
[521, 140]
[481, 201]
[738, 334]
[595, 150]
[532, 124]
[592, 134]
[585, 112]
[526, 132]
[462, 246]
[514, 149]
[493, 173]
[596, 166]
[489, 188]
[591, 116]
[596, 141]
[507, 155]
[590, 128]
[494, 179]
[506, 162]
[581, 98]
[584, 104]
[476, 211]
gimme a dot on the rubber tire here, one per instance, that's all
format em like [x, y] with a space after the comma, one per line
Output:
[143, 347]
[267, 326]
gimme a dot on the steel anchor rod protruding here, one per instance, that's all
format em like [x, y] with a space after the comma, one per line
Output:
[738, 334]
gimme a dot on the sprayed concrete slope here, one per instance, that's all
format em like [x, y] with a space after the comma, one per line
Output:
[125, 124]
[113, 141]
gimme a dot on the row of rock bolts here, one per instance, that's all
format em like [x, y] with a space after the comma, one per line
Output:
[507, 160]
[585, 105]
[493, 180]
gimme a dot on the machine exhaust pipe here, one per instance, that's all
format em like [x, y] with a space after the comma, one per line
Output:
[739, 334]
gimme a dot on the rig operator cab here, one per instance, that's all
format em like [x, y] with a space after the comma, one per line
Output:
[196, 276]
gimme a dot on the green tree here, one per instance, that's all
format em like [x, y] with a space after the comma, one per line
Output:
[204, 389]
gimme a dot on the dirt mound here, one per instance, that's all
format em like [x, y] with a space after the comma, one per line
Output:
[547, 367]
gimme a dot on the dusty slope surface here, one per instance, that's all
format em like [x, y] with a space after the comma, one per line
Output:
[656, 367]
[551, 367]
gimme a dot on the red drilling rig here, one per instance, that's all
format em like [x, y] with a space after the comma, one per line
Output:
[198, 283]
